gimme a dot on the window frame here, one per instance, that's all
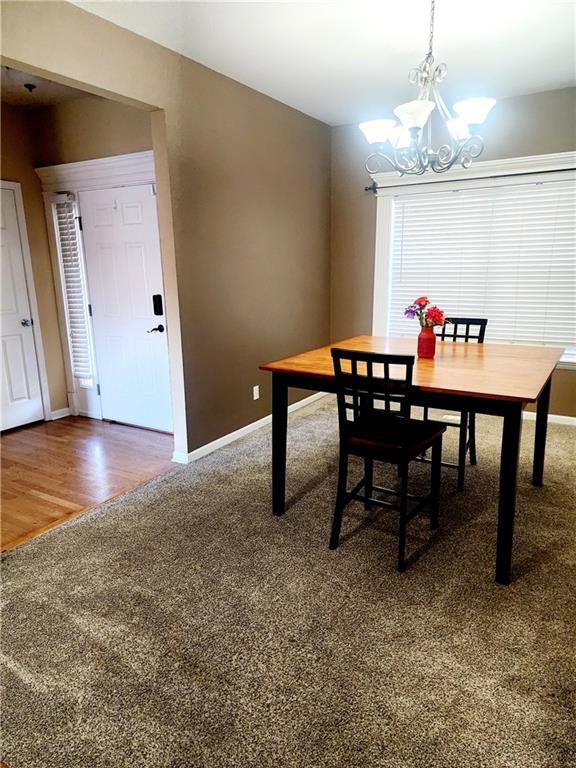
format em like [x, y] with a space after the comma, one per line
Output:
[389, 186]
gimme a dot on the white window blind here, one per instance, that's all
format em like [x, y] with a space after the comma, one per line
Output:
[74, 289]
[506, 253]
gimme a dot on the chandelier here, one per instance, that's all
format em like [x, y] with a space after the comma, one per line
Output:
[407, 146]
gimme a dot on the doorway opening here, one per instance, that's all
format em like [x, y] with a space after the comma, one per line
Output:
[103, 337]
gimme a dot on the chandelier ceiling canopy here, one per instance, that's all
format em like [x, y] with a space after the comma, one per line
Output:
[406, 145]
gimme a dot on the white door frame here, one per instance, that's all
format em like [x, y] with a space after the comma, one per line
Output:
[105, 173]
[16, 188]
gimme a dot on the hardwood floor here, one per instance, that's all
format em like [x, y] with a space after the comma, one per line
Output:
[54, 470]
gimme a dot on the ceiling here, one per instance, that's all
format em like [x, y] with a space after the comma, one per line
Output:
[45, 94]
[343, 62]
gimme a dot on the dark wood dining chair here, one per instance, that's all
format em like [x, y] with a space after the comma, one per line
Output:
[463, 329]
[373, 393]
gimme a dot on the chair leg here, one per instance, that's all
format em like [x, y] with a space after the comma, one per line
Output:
[425, 418]
[435, 483]
[340, 500]
[462, 449]
[368, 481]
[472, 438]
[403, 514]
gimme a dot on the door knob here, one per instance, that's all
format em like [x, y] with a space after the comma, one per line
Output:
[26, 322]
[159, 328]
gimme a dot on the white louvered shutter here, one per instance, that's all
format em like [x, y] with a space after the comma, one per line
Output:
[74, 289]
[506, 253]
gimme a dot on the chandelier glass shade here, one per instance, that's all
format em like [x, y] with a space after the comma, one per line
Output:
[406, 146]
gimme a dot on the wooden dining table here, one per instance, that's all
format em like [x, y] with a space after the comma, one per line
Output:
[495, 379]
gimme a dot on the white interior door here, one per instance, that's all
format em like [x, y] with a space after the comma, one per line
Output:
[124, 270]
[21, 393]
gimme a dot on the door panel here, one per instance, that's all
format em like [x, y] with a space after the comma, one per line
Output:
[124, 269]
[14, 359]
[21, 394]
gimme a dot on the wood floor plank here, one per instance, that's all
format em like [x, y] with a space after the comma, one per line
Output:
[53, 471]
[56, 500]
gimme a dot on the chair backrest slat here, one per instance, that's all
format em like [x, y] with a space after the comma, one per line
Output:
[366, 380]
[468, 323]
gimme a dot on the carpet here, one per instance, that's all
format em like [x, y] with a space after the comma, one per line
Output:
[181, 625]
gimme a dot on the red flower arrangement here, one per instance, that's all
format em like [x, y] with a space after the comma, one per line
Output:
[428, 316]
[434, 316]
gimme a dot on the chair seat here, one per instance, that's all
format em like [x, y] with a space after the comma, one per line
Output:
[391, 438]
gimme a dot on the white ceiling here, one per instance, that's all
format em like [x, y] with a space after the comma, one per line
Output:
[343, 62]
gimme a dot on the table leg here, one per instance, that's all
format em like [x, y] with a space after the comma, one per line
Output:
[540, 437]
[507, 500]
[279, 432]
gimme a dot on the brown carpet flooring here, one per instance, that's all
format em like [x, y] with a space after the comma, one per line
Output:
[182, 626]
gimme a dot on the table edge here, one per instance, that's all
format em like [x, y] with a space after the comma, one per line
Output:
[271, 368]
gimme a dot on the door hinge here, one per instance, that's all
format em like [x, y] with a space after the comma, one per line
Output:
[90, 309]
[154, 189]
[98, 389]
[79, 220]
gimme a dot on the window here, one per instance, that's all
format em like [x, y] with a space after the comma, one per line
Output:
[74, 289]
[503, 252]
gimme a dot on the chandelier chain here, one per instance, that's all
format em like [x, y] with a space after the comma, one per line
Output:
[431, 38]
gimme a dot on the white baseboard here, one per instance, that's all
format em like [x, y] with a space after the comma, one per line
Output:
[61, 413]
[552, 418]
[528, 415]
[185, 458]
[180, 457]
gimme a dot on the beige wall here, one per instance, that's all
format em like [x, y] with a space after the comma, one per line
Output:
[353, 233]
[89, 128]
[17, 164]
[249, 183]
[541, 123]
[538, 124]
[563, 394]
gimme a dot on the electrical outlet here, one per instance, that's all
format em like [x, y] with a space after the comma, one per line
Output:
[256, 392]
